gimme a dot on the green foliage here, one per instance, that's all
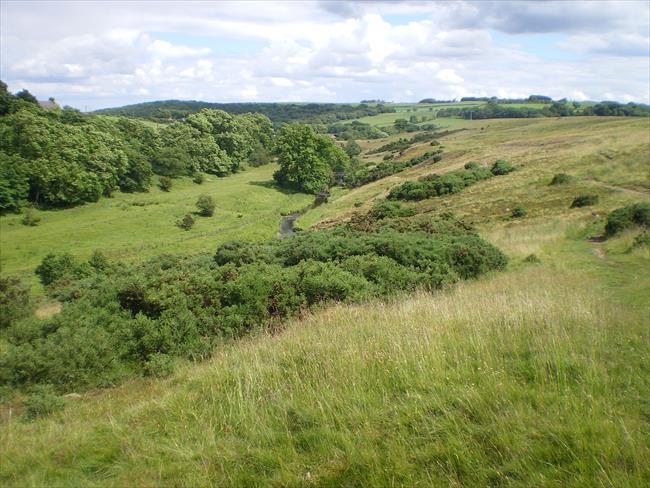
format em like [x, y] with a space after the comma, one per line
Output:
[501, 167]
[518, 212]
[437, 185]
[471, 165]
[307, 160]
[584, 201]
[532, 259]
[561, 179]
[198, 178]
[55, 267]
[279, 113]
[14, 182]
[355, 130]
[165, 183]
[387, 209]
[30, 218]
[135, 319]
[641, 240]
[361, 175]
[206, 205]
[42, 401]
[352, 148]
[15, 302]
[627, 217]
[159, 365]
[186, 223]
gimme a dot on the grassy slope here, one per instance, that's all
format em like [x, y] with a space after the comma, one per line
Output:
[137, 225]
[533, 377]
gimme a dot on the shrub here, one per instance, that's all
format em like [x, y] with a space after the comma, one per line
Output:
[206, 205]
[186, 222]
[626, 217]
[532, 258]
[501, 167]
[472, 165]
[15, 301]
[159, 365]
[198, 178]
[519, 212]
[54, 267]
[165, 183]
[584, 201]
[561, 179]
[42, 401]
[643, 239]
[98, 261]
[30, 218]
[388, 209]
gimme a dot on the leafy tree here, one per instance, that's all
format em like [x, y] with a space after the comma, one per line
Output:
[54, 267]
[206, 205]
[352, 148]
[307, 160]
[14, 182]
[28, 97]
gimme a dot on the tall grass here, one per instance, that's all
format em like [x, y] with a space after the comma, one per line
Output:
[529, 378]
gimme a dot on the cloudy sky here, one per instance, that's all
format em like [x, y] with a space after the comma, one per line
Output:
[100, 54]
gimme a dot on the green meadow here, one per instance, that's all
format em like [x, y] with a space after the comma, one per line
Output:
[139, 225]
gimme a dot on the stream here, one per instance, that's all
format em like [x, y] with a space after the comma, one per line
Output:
[286, 224]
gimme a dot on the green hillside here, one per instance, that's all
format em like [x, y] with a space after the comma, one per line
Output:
[536, 375]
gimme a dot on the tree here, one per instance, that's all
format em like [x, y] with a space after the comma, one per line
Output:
[15, 301]
[307, 160]
[206, 205]
[14, 182]
[28, 97]
[186, 223]
[352, 148]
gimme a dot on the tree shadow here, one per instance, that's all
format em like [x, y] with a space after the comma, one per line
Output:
[273, 185]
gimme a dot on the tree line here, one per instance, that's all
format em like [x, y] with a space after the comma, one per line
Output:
[62, 157]
[494, 110]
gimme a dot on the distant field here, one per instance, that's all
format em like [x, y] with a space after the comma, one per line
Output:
[137, 225]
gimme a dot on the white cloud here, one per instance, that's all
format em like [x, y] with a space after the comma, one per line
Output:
[100, 53]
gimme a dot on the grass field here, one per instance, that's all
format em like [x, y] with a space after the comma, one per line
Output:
[138, 225]
[532, 377]
[536, 376]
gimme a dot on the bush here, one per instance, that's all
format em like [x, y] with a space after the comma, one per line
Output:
[165, 183]
[186, 223]
[561, 179]
[30, 218]
[159, 365]
[518, 212]
[472, 165]
[643, 239]
[626, 217]
[206, 205]
[584, 201]
[42, 401]
[54, 267]
[501, 167]
[198, 178]
[532, 258]
[15, 302]
[437, 185]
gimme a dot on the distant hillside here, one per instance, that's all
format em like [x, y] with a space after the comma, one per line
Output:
[324, 113]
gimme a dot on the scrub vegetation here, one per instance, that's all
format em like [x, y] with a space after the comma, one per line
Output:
[448, 317]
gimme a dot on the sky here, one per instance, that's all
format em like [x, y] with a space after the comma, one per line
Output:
[95, 54]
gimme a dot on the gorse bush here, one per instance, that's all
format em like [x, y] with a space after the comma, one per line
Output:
[437, 185]
[561, 179]
[584, 201]
[626, 217]
[135, 319]
[362, 175]
[501, 167]
[518, 212]
[15, 302]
